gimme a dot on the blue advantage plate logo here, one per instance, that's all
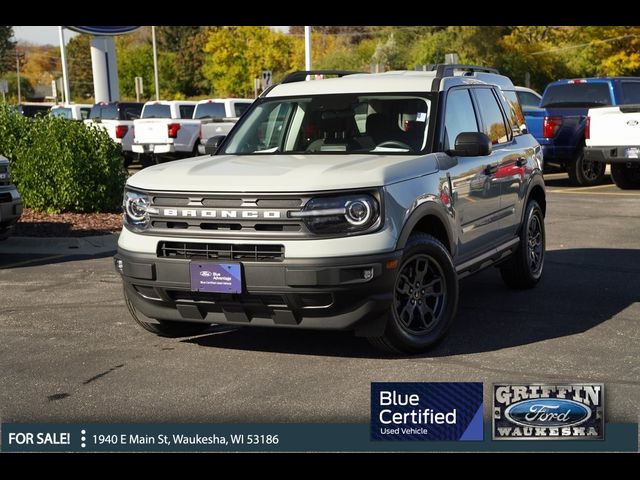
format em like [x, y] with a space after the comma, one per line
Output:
[548, 412]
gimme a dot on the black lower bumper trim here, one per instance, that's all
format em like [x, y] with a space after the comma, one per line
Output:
[331, 293]
[614, 154]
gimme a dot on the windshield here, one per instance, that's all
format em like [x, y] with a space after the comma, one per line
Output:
[577, 95]
[62, 113]
[156, 110]
[345, 123]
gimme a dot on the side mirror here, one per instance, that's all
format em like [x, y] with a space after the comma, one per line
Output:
[212, 145]
[472, 144]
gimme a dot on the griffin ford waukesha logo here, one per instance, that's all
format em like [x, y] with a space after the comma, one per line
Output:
[632, 123]
[548, 412]
[221, 214]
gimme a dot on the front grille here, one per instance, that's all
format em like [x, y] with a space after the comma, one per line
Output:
[228, 216]
[5, 197]
[221, 251]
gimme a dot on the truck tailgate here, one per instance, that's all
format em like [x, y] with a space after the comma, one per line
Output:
[614, 126]
[153, 131]
[534, 117]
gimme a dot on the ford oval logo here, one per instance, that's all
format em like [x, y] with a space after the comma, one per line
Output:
[632, 123]
[205, 273]
[547, 412]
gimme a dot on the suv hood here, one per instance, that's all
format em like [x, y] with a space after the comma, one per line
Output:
[282, 173]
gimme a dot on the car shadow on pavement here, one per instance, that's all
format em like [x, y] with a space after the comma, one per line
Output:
[580, 289]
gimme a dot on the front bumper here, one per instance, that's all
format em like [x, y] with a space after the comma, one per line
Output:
[10, 206]
[329, 293]
[614, 154]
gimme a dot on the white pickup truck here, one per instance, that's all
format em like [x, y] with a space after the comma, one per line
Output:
[612, 135]
[117, 118]
[166, 129]
[218, 116]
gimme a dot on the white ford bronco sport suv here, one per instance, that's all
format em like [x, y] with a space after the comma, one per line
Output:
[350, 203]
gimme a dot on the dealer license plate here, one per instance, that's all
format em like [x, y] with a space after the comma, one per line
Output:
[216, 277]
[633, 152]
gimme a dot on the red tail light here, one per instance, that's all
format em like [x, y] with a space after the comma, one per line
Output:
[551, 126]
[121, 131]
[173, 129]
[587, 129]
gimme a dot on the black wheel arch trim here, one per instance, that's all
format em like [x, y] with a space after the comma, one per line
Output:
[426, 209]
[536, 181]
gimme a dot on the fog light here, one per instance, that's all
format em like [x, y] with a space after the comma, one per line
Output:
[367, 273]
[119, 265]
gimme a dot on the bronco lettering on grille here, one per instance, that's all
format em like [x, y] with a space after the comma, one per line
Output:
[264, 214]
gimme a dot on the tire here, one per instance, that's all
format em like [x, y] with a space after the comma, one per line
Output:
[419, 320]
[165, 328]
[585, 173]
[524, 268]
[625, 178]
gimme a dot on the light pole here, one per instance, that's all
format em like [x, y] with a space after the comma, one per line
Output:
[65, 76]
[155, 62]
[307, 48]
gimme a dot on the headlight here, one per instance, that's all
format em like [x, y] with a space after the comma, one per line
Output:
[5, 175]
[344, 214]
[136, 207]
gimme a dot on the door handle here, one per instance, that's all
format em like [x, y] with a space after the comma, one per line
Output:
[521, 162]
[490, 169]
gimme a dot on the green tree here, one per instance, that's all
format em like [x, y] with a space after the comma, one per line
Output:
[187, 43]
[136, 60]
[237, 55]
[7, 46]
[80, 69]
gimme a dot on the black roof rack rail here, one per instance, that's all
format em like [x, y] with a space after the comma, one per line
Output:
[301, 75]
[447, 69]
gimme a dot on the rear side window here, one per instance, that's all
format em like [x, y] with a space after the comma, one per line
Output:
[578, 95]
[240, 108]
[209, 110]
[130, 111]
[156, 110]
[84, 112]
[492, 118]
[528, 99]
[186, 111]
[62, 113]
[515, 112]
[459, 116]
[630, 92]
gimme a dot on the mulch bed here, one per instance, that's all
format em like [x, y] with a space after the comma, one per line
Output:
[34, 224]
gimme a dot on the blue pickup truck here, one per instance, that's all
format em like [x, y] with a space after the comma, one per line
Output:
[559, 124]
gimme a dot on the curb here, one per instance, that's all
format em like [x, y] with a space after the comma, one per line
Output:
[94, 245]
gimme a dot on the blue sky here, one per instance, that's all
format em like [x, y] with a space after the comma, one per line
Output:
[49, 34]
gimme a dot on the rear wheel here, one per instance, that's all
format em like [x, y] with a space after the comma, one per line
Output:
[425, 298]
[165, 328]
[584, 172]
[524, 268]
[625, 177]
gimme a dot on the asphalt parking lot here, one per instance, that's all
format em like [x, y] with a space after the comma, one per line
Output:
[70, 351]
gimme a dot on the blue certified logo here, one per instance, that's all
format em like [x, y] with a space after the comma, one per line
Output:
[426, 411]
[550, 412]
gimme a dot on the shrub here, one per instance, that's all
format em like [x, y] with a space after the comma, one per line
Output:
[60, 165]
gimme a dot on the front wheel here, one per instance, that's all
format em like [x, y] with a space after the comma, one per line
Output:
[585, 173]
[165, 328]
[425, 298]
[625, 177]
[524, 268]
